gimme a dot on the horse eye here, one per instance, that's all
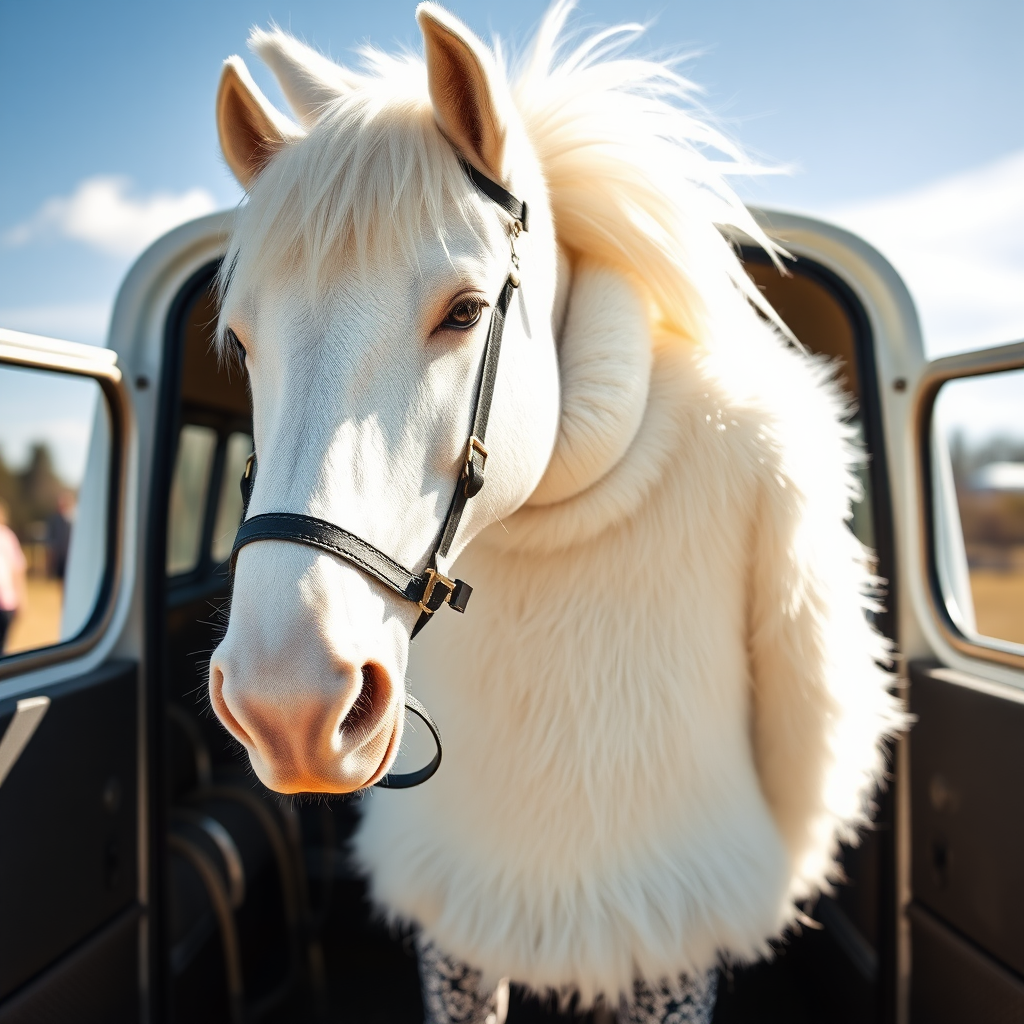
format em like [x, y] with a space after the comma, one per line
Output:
[232, 339]
[463, 314]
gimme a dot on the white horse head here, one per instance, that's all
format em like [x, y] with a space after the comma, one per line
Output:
[362, 276]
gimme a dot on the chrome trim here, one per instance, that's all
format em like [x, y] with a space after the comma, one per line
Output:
[42, 353]
[956, 367]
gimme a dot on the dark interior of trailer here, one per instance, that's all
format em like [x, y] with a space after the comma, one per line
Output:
[257, 914]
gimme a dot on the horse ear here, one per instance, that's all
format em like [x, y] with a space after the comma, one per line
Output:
[465, 89]
[308, 79]
[251, 128]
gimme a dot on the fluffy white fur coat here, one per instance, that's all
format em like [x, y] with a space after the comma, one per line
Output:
[664, 708]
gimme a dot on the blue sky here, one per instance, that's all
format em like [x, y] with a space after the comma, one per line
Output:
[904, 120]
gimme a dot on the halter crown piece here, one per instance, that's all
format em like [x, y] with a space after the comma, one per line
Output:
[429, 589]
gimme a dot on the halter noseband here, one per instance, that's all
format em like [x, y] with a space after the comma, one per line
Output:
[430, 589]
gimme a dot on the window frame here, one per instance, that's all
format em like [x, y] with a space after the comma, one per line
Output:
[984, 362]
[36, 352]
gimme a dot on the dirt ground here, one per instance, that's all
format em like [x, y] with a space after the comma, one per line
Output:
[999, 603]
[37, 624]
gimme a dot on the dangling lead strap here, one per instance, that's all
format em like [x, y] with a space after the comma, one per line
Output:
[429, 589]
[406, 780]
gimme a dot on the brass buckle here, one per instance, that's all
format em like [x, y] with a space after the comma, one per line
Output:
[433, 579]
[474, 446]
[248, 466]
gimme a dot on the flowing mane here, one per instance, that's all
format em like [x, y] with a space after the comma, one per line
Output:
[630, 172]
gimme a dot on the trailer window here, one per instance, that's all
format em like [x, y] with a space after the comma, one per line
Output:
[55, 456]
[229, 504]
[978, 503]
[189, 487]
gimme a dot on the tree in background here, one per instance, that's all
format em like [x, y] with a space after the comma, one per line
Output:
[32, 494]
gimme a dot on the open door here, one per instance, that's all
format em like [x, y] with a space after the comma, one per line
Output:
[70, 912]
[964, 763]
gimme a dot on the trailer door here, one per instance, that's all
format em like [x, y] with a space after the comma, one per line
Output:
[69, 752]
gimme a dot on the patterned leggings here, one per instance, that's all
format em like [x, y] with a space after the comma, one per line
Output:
[451, 995]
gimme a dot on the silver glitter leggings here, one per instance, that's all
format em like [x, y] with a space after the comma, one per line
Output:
[451, 995]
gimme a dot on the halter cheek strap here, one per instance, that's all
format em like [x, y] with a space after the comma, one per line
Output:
[430, 589]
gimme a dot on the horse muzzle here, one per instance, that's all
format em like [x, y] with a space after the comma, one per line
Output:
[332, 743]
[315, 693]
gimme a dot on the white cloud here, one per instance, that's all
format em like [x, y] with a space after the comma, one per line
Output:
[86, 322]
[958, 243]
[101, 213]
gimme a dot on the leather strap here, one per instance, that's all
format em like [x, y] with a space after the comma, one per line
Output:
[429, 588]
[406, 780]
[318, 533]
[515, 208]
[472, 480]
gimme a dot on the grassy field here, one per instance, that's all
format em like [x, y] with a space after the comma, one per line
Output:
[37, 624]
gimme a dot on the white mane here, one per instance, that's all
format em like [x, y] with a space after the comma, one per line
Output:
[630, 171]
[372, 172]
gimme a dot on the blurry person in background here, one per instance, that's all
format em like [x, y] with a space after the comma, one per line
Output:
[58, 534]
[12, 574]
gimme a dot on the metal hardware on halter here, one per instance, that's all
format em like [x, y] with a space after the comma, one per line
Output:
[430, 589]
[248, 478]
[428, 604]
[517, 228]
[472, 472]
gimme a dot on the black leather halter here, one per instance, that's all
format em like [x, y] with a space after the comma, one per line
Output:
[430, 589]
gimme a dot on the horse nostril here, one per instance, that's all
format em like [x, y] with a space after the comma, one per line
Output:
[216, 686]
[220, 706]
[371, 703]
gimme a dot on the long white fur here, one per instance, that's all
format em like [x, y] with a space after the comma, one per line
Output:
[666, 709]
